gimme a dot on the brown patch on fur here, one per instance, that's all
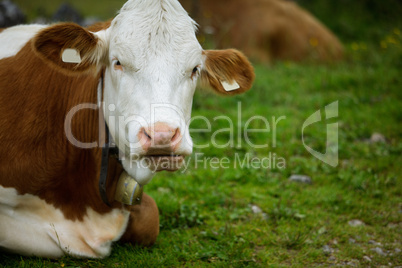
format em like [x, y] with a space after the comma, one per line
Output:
[50, 43]
[35, 154]
[227, 65]
[267, 30]
[2, 29]
[143, 227]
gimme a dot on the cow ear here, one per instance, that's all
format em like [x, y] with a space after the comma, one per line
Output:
[70, 47]
[228, 71]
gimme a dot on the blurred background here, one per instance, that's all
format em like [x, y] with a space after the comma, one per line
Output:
[346, 23]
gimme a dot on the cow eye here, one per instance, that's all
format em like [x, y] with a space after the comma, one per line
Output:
[194, 72]
[118, 66]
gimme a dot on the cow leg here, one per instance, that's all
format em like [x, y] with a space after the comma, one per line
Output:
[143, 226]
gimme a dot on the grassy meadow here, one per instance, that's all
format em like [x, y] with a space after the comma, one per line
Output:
[235, 216]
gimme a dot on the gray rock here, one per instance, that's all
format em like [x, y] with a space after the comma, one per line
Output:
[327, 249]
[353, 263]
[367, 258]
[352, 241]
[301, 179]
[355, 223]
[164, 190]
[377, 138]
[372, 242]
[392, 225]
[10, 14]
[379, 251]
[332, 258]
[255, 209]
[397, 250]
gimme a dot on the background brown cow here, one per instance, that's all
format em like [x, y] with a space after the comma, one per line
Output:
[265, 29]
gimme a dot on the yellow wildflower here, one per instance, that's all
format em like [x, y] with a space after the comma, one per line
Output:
[391, 40]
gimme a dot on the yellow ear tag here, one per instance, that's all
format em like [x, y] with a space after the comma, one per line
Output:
[230, 87]
[71, 55]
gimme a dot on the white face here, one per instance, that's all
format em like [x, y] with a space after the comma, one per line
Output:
[154, 60]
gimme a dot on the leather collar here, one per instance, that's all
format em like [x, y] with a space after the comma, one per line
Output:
[107, 150]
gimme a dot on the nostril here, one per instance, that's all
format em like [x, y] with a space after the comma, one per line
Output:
[176, 136]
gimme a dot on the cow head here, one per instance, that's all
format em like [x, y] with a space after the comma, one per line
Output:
[152, 61]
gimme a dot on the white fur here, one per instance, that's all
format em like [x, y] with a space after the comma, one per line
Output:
[155, 42]
[30, 226]
[14, 38]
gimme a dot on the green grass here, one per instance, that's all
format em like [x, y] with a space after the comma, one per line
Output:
[206, 217]
[103, 9]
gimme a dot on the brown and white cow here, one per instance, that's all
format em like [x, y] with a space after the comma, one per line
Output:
[143, 67]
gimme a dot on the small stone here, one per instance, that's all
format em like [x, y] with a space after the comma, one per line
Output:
[351, 263]
[322, 230]
[301, 179]
[372, 242]
[392, 225]
[164, 190]
[299, 216]
[367, 258]
[379, 251]
[255, 209]
[355, 223]
[397, 250]
[327, 249]
[352, 241]
[377, 138]
[332, 258]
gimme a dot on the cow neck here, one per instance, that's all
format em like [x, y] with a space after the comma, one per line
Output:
[128, 190]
